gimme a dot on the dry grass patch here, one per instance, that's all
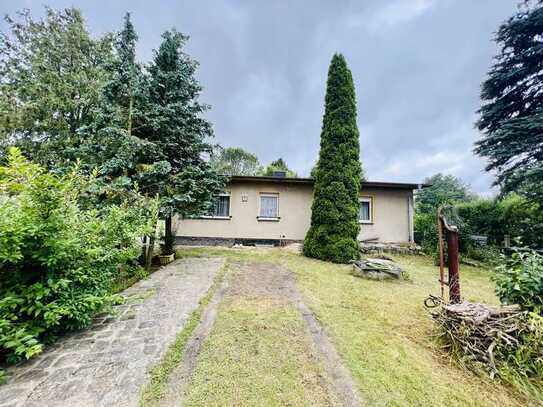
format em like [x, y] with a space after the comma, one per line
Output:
[258, 353]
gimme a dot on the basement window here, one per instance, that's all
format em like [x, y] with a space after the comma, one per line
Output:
[365, 210]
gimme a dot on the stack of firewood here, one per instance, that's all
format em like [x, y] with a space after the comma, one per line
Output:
[487, 337]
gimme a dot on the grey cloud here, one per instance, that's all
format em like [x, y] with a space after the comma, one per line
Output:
[417, 65]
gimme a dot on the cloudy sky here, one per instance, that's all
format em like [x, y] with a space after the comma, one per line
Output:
[417, 66]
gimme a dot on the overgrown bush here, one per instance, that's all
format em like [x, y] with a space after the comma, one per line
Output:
[57, 260]
[520, 281]
[511, 215]
[426, 232]
[489, 255]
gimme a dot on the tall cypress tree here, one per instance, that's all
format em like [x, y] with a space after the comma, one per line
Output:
[334, 213]
[176, 126]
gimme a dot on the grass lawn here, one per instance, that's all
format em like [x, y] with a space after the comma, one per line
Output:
[257, 351]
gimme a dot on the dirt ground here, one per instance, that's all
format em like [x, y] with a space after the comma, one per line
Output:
[271, 283]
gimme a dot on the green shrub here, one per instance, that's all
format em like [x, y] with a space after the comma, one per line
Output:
[520, 281]
[511, 215]
[426, 232]
[127, 276]
[489, 254]
[57, 261]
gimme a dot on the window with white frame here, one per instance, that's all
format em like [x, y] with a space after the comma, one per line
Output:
[365, 210]
[221, 207]
[269, 206]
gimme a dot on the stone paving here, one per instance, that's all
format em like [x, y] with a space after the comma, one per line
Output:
[109, 363]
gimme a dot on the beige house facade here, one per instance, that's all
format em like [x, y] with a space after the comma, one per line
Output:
[278, 210]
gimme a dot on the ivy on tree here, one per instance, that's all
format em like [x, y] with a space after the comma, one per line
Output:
[511, 117]
[334, 226]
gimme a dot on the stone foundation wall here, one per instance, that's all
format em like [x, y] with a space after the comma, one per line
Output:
[229, 242]
[391, 248]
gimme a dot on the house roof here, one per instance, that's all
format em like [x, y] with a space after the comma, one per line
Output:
[288, 180]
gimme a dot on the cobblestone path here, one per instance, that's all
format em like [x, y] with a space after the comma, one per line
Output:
[108, 363]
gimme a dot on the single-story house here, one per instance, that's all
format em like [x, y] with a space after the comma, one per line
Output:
[277, 209]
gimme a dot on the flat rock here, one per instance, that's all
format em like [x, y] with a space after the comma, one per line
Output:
[377, 269]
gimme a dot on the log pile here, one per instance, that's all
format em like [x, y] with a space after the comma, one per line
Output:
[489, 338]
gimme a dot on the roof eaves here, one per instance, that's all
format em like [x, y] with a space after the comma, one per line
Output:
[290, 180]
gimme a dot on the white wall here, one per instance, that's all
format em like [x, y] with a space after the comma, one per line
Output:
[390, 223]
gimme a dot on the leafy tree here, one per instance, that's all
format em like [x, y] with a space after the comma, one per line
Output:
[176, 126]
[334, 213]
[444, 189]
[234, 161]
[52, 75]
[278, 165]
[511, 117]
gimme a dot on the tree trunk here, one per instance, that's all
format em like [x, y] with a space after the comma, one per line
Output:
[143, 256]
[130, 107]
[168, 235]
[149, 255]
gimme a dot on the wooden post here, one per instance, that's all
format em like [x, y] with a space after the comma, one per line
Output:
[441, 248]
[452, 257]
[453, 266]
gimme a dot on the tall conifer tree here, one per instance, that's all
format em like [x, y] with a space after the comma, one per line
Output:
[176, 126]
[115, 142]
[334, 213]
[511, 116]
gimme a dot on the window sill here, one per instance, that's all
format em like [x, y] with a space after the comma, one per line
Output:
[266, 219]
[217, 217]
[365, 222]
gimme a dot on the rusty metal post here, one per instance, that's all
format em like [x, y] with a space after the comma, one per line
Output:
[454, 275]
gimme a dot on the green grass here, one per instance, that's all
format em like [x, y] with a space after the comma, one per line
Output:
[382, 331]
[257, 354]
[160, 375]
[125, 279]
[380, 328]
